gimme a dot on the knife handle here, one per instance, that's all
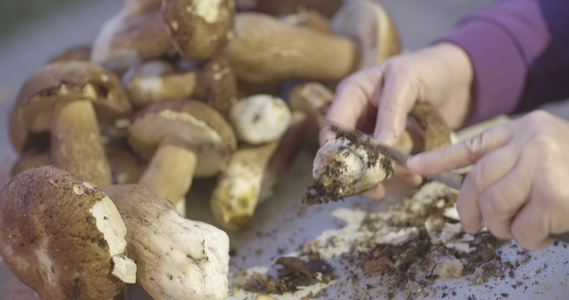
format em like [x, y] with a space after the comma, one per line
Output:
[450, 179]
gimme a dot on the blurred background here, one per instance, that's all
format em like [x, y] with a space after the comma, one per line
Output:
[33, 31]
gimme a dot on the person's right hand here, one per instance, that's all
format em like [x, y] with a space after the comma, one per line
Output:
[377, 100]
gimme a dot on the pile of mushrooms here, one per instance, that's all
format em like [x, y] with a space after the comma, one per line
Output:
[112, 135]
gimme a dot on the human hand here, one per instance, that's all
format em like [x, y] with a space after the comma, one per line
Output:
[518, 182]
[377, 100]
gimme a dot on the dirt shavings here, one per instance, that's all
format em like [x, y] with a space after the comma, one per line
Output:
[329, 187]
[406, 251]
[292, 273]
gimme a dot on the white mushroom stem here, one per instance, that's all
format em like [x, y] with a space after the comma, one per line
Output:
[179, 162]
[177, 258]
[259, 119]
[236, 194]
[76, 144]
[300, 130]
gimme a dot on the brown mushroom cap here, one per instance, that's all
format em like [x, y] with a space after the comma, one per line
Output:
[156, 80]
[200, 29]
[277, 8]
[122, 42]
[370, 27]
[185, 122]
[80, 53]
[59, 234]
[68, 81]
[22, 139]
[217, 84]
[265, 49]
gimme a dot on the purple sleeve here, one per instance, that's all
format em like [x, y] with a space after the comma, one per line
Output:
[520, 54]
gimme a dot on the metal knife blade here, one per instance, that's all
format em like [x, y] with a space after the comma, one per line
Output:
[450, 179]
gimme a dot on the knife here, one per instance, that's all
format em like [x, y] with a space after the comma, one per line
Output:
[450, 179]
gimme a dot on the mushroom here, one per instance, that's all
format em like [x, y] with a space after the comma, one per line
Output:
[300, 130]
[236, 194]
[22, 139]
[177, 258]
[278, 8]
[199, 29]
[345, 166]
[312, 98]
[30, 159]
[62, 236]
[183, 139]
[369, 25]
[259, 119]
[136, 34]
[156, 80]
[265, 49]
[62, 97]
[309, 18]
[78, 53]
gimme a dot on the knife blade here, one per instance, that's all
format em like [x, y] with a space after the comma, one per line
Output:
[450, 179]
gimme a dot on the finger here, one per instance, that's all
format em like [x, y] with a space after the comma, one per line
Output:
[402, 180]
[501, 202]
[462, 154]
[353, 95]
[486, 172]
[377, 192]
[352, 100]
[396, 98]
[530, 228]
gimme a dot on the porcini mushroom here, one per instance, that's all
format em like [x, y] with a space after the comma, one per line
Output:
[183, 139]
[155, 80]
[236, 194]
[136, 34]
[78, 53]
[370, 27]
[279, 8]
[265, 49]
[259, 119]
[62, 236]
[199, 29]
[344, 167]
[177, 258]
[70, 99]
[22, 139]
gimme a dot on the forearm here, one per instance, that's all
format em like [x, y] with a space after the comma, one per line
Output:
[516, 55]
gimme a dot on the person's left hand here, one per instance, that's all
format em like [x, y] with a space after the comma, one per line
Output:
[519, 182]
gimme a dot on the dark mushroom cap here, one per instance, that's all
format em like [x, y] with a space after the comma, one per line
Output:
[51, 237]
[199, 29]
[185, 122]
[69, 81]
[218, 84]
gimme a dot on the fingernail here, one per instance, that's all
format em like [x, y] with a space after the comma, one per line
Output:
[385, 136]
